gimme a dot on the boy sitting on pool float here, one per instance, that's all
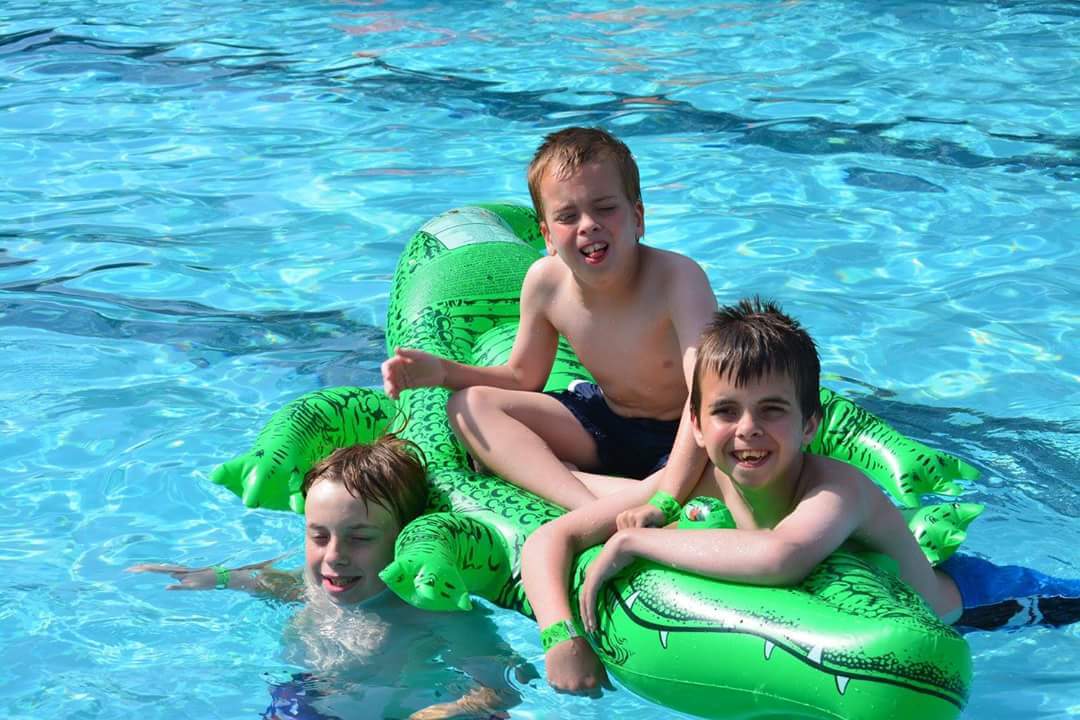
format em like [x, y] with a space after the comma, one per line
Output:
[632, 314]
[754, 407]
[356, 502]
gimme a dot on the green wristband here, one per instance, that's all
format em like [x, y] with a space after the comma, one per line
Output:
[222, 575]
[667, 505]
[557, 632]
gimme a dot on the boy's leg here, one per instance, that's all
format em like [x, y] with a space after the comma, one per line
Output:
[524, 437]
[1009, 595]
[600, 485]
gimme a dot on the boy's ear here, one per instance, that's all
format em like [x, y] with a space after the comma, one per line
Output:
[695, 425]
[547, 238]
[639, 210]
[810, 428]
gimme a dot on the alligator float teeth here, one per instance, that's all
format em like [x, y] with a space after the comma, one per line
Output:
[663, 639]
[630, 600]
[815, 655]
[841, 683]
[769, 645]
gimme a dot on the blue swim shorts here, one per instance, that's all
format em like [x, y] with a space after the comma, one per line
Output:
[1011, 595]
[626, 447]
[292, 700]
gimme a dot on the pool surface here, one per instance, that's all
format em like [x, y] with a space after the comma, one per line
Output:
[202, 204]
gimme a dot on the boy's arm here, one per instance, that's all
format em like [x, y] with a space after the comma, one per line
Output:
[258, 578]
[473, 646]
[545, 571]
[527, 368]
[478, 702]
[692, 307]
[785, 555]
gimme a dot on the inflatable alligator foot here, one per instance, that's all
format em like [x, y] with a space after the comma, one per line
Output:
[940, 529]
[431, 583]
[296, 437]
[903, 467]
[443, 557]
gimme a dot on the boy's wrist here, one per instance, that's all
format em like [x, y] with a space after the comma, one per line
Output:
[557, 633]
[667, 504]
[221, 577]
[451, 377]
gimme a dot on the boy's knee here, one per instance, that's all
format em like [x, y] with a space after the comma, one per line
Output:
[469, 400]
[454, 405]
[463, 406]
[537, 539]
[459, 403]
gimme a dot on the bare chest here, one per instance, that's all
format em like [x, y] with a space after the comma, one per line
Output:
[633, 352]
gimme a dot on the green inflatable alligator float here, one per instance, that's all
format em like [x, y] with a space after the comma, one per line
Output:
[852, 641]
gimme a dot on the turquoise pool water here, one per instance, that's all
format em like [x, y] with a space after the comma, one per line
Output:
[202, 204]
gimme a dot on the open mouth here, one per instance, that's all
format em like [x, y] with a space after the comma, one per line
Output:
[750, 458]
[339, 583]
[594, 252]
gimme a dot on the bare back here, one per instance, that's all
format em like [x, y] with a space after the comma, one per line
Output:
[634, 339]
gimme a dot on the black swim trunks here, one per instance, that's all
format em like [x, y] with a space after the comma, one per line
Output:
[626, 447]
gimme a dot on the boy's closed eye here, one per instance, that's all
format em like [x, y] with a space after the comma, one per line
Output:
[725, 410]
[774, 411]
[768, 411]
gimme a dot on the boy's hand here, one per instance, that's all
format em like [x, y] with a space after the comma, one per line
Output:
[482, 702]
[411, 369]
[613, 558]
[190, 578]
[206, 578]
[573, 667]
[641, 516]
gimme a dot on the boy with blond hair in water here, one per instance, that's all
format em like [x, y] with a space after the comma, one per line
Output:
[353, 631]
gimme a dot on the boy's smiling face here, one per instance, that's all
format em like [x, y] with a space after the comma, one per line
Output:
[753, 433]
[347, 544]
[588, 219]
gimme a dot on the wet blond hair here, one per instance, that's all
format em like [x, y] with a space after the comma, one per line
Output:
[388, 472]
[565, 151]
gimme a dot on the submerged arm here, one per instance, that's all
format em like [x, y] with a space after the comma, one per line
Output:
[257, 578]
[478, 702]
[473, 646]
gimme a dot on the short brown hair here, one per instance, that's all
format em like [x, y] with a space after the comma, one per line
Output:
[389, 472]
[753, 339]
[567, 150]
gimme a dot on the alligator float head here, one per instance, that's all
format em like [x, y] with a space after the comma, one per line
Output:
[851, 641]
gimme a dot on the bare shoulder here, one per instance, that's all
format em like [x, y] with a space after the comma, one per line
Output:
[544, 278]
[684, 289]
[546, 270]
[672, 265]
[680, 278]
[829, 475]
